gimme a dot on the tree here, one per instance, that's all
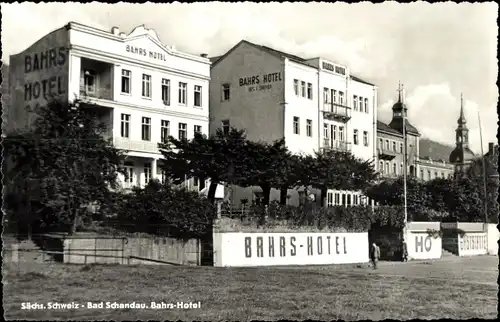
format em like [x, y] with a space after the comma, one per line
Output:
[220, 158]
[62, 165]
[270, 166]
[162, 209]
[340, 170]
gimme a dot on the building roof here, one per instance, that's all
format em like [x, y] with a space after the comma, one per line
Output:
[381, 126]
[280, 54]
[434, 150]
[396, 127]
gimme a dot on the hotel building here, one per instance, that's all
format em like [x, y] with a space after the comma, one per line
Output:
[315, 104]
[142, 89]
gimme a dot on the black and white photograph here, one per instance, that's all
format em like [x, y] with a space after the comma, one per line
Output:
[218, 161]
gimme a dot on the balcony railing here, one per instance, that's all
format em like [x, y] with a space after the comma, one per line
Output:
[334, 145]
[386, 154]
[96, 92]
[140, 146]
[336, 112]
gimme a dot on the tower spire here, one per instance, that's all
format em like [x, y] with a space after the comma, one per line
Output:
[399, 91]
[461, 119]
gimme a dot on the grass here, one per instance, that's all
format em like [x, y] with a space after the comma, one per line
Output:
[460, 289]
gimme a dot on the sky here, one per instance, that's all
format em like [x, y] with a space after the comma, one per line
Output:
[438, 51]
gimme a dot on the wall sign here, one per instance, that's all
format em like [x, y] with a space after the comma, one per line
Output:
[473, 244]
[146, 53]
[266, 249]
[333, 68]
[423, 246]
[45, 61]
[260, 82]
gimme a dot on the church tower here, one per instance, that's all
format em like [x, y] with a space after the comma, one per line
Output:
[461, 156]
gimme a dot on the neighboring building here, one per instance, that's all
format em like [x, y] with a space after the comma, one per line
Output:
[143, 89]
[314, 104]
[426, 159]
[461, 157]
[433, 160]
[390, 143]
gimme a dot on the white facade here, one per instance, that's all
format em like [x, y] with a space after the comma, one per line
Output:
[310, 104]
[141, 88]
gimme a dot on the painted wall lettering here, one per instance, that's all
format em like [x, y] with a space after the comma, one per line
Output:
[260, 82]
[314, 246]
[47, 59]
[422, 243]
[46, 88]
[146, 53]
[263, 249]
[336, 69]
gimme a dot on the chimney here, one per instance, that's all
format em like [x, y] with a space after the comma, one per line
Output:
[115, 30]
[490, 148]
[122, 34]
[204, 55]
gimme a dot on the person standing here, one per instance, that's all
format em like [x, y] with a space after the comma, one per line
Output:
[375, 255]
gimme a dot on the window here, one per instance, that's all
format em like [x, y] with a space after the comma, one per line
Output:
[125, 126]
[421, 174]
[296, 86]
[381, 143]
[226, 92]
[355, 137]
[129, 172]
[366, 105]
[309, 128]
[365, 138]
[355, 200]
[360, 104]
[326, 97]
[182, 93]
[303, 89]
[146, 85]
[126, 74]
[387, 145]
[355, 102]
[429, 174]
[334, 96]
[165, 91]
[381, 167]
[197, 96]
[337, 198]
[225, 126]
[197, 129]
[387, 167]
[296, 125]
[435, 175]
[394, 168]
[182, 131]
[310, 91]
[146, 129]
[401, 168]
[89, 80]
[326, 136]
[394, 146]
[165, 130]
[442, 175]
[147, 172]
[341, 133]
[334, 132]
[341, 98]
[400, 147]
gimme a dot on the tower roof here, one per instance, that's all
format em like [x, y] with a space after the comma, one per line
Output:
[461, 155]
[461, 120]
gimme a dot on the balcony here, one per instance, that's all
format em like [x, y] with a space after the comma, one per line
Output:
[138, 146]
[96, 80]
[340, 146]
[386, 154]
[336, 112]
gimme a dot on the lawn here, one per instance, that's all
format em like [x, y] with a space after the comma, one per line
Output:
[459, 289]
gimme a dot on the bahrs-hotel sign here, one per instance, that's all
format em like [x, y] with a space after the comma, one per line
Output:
[270, 249]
